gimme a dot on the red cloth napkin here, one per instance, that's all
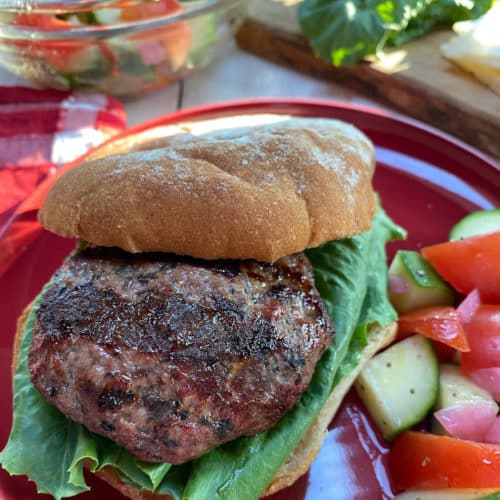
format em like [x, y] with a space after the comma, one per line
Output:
[40, 131]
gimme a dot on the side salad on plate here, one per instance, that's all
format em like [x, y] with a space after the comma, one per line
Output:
[434, 393]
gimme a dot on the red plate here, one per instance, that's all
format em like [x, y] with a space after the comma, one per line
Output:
[427, 182]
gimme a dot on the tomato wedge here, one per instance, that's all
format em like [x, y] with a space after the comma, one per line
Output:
[174, 39]
[56, 52]
[440, 323]
[483, 334]
[42, 21]
[133, 11]
[420, 460]
[469, 263]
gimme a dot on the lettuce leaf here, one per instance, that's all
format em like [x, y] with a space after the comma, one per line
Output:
[345, 32]
[376, 306]
[351, 277]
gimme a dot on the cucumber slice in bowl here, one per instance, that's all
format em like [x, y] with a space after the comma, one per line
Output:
[476, 223]
[400, 385]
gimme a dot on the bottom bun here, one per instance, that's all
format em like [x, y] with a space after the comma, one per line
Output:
[300, 460]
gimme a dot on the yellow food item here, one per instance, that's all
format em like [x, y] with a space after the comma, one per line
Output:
[476, 48]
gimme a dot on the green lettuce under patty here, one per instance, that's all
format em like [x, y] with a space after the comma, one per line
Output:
[351, 276]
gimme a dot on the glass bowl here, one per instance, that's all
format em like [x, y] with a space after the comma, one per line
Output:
[121, 47]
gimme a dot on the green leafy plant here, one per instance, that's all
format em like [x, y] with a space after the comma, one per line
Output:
[344, 32]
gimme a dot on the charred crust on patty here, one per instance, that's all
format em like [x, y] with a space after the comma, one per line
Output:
[173, 356]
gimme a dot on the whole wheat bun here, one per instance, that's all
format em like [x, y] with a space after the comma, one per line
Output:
[259, 192]
[304, 454]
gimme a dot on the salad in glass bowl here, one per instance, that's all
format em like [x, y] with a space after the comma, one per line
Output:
[120, 47]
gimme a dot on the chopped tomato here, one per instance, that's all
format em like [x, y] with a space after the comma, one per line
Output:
[421, 460]
[174, 40]
[42, 21]
[483, 334]
[132, 11]
[171, 42]
[56, 52]
[177, 43]
[439, 323]
[469, 263]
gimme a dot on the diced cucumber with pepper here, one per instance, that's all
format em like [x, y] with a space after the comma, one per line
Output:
[476, 223]
[420, 285]
[455, 388]
[400, 385]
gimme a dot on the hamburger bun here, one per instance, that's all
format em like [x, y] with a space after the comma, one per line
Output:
[259, 193]
[304, 454]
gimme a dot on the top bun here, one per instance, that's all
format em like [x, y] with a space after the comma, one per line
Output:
[259, 192]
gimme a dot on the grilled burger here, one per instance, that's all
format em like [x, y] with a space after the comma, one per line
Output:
[190, 317]
[171, 357]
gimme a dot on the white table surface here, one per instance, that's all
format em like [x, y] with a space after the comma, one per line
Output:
[235, 74]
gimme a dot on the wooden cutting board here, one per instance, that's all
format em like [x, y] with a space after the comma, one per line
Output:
[414, 79]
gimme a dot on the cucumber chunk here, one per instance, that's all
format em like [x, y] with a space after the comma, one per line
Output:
[400, 385]
[417, 283]
[455, 388]
[476, 223]
[107, 17]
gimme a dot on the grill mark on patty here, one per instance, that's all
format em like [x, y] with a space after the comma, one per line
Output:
[114, 399]
[173, 356]
[169, 325]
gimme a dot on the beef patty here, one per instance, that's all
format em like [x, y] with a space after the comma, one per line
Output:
[171, 357]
